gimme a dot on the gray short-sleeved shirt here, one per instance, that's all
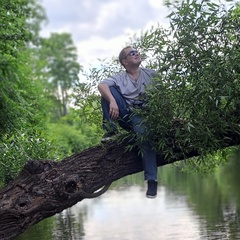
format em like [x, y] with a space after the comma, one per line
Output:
[132, 91]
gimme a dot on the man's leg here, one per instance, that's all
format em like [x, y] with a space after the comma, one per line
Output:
[109, 125]
[148, 158]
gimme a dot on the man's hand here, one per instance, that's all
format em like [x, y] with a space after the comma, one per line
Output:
[113, 110]
[106, 93]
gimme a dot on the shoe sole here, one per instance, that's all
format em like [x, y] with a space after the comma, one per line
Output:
[150, 196]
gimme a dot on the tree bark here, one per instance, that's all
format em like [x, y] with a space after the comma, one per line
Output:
[44, 188]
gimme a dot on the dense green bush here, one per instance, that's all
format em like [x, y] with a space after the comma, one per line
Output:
[20, 147]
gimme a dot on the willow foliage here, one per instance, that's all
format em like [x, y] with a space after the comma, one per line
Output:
[198, 76]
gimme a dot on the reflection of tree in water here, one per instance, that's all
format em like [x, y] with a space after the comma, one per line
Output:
[69, 226]
[228, 179]
[226, 228]
[214, 198]
[219, 202]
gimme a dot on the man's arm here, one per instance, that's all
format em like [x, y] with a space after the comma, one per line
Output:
[106, 93]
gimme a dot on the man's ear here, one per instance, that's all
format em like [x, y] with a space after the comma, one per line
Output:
[124, 62]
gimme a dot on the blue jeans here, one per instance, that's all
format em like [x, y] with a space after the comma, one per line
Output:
[129, 122]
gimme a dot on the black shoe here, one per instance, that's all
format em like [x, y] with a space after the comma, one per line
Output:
[152, 189]
[108, 136]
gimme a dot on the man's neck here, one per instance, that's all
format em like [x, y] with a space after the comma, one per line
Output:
[134, 72]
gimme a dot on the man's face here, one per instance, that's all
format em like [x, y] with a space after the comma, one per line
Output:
[132, 57]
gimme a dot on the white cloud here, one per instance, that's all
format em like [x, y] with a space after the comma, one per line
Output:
[106, 14]
[156, 4]
[101, 28]
[95, 48]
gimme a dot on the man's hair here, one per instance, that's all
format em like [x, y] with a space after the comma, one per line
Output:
[122, 54]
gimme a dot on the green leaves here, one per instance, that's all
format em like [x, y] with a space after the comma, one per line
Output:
[198, 76]
[23, 106]
[19, 147]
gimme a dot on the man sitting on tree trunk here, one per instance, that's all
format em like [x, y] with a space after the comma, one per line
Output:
[120, 94]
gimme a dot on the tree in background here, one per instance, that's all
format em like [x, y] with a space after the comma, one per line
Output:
[23, 105]
[37, 76]
[60, 57]
[68, 129]
[16, 32]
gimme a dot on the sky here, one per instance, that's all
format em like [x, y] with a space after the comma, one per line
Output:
[101, 28]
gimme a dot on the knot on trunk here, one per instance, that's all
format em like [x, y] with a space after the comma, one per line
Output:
[23, 201]
[38, 166]
[73, 184]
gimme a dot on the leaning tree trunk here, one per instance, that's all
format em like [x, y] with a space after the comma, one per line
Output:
[44, 188]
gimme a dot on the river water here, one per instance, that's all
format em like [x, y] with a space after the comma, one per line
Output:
[188, 206]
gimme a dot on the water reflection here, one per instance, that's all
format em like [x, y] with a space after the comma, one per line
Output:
[188, 206]
[69, 226]
[127, 214]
